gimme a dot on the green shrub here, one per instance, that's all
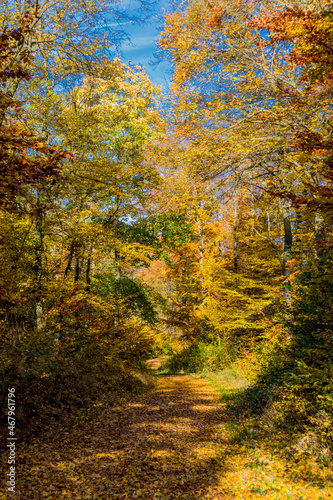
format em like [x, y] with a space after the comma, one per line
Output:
[203, 356]
[295, 380]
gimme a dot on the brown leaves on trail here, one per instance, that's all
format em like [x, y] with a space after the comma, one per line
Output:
[161, 446]
[168, 444]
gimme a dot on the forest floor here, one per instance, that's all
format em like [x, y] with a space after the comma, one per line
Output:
[171, 443]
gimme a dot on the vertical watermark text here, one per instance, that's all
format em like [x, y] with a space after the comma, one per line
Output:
[11, 445]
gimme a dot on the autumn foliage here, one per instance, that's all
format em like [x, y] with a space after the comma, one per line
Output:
[251, 103]
[196, 225]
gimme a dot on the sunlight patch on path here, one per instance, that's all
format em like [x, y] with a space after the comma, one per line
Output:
[158, 446]
[169, 444]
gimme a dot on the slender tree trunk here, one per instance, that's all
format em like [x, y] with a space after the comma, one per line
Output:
[234, 234]
[117, 273]
[77, 270]
[39, 271]
[184, 302]
[70, 258]
[287, 249]
[319, 236]
[88, 271]
[117, 276]
[77, 265]
[201, 244]
[115, 226]
[201, 256]
[76, 280]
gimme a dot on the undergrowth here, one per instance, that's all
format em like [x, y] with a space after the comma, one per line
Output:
[60, 384]
[274, 459]
[202, 356]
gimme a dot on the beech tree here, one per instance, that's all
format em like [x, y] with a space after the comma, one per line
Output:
[106, 122]
[27, 164]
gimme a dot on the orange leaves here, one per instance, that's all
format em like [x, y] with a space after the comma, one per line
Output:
[20, 171]
[26, 170]
[215, 19]
[178, 39]
[159, 445]
[311, 33]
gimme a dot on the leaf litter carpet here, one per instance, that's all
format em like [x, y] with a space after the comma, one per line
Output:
[168, 444]
[162, 445]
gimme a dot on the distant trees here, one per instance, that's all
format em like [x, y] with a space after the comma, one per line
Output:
[246, 118]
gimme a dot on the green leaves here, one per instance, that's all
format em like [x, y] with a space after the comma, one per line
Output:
[172, 229]
[136, 298]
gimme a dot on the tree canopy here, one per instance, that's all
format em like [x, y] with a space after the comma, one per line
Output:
[136, 222]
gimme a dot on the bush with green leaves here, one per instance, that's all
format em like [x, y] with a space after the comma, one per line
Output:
[203, 356]
[295, 365]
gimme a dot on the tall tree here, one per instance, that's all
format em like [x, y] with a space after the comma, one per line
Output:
[107, 122]
[239, 106]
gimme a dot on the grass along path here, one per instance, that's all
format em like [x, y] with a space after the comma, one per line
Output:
[171, 443]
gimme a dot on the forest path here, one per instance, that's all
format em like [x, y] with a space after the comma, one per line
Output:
[170, 443]
[162, 445]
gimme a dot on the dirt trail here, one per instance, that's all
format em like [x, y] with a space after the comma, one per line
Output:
[160, 446]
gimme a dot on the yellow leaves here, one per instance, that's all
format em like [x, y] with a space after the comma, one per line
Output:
[173, 23]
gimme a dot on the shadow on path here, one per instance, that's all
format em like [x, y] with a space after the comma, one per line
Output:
[162, 445]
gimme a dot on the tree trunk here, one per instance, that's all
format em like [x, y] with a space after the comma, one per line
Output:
[88, 271]
[117, 273]
[319, 236]
[288, 241]
[184, 302]
[77, 265]
[39, 271]
[117, 276]
[234, 234]
[77, 270]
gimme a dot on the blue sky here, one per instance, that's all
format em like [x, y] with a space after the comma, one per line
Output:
[142, 45]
